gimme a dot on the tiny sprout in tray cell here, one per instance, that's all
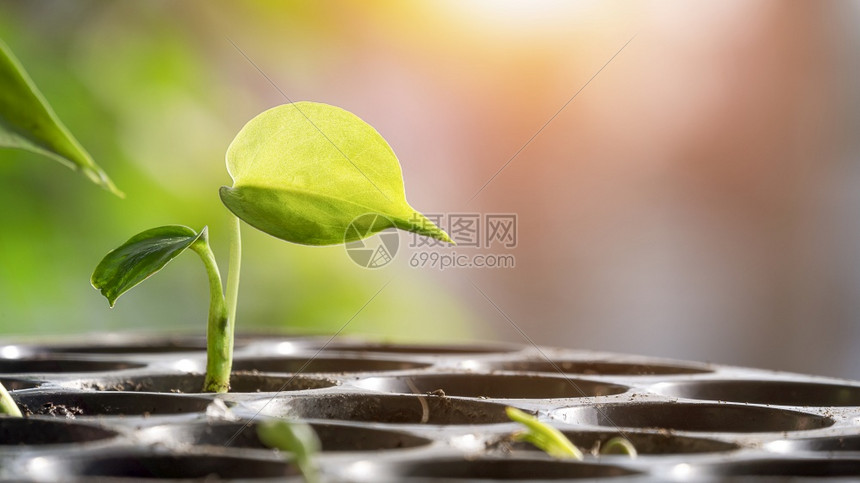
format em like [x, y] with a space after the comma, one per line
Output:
[301, 172]
[543, 436]
[296, 438]
[554, 443]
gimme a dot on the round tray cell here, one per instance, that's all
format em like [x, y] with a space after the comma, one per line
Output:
[351, 438]
[481, 469]
[492, 386]
[726, 418]
[596, 368]
[332, 436]
[129, 348]
[138, 345]
[777, 469]
[784, 393]
[133, 345]
[109, 404]
[15, 384]
[193, 383]
[154, 466]
[830, 444]
[453, 349]
[23, 432]
[157, 346]
[40, 366]
[321, 365]
[385, 409]
[645, 443]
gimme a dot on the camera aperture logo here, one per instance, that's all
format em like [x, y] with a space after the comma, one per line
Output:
[374, 251]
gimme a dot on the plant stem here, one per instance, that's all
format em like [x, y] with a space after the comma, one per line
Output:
[7, 404]
[233, 274]
[219, 332]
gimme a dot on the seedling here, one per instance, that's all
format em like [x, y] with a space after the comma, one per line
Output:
[546, 438]
[7, 404]
[619, 445]
[306, 173]
[294, 437]
[27, 122]
[554, 443]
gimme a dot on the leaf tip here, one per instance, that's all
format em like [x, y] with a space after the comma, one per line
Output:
[110, 298]
[116, 192]
[441, 235]
[99, 177]
[103, 290]
[107, 184]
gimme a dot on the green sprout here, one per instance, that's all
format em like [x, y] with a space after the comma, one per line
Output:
[619, 445]
[28, 123]
[306, 173]
[7, 404]
[554, 443]
[296, 438]
[546, 438]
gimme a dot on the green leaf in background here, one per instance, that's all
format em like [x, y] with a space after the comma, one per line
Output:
[8, 405]
[28, 122]
[293, 437]
[140, 257]
[548, 439]
[303, 172]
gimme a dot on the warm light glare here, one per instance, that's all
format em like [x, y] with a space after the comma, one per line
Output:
[186, 365]
[682, 471]
[286, 348]
[779, 446]
[468, 443]
[519, 14]
[470, 365]
[10, 352]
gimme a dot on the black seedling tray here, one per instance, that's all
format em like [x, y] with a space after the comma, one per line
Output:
[127, 407]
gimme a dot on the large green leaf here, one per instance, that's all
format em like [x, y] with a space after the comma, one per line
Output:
[303, 172]
[28, 122]
[140, 257]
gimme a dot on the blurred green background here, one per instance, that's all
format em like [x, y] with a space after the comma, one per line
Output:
[155, 92]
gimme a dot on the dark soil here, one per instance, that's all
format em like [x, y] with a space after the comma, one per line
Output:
[51, 409]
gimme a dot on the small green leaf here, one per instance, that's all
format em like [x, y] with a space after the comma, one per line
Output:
[303, 172]
[28, 122]
[293, 437]
[140, 257]
[545, 437]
